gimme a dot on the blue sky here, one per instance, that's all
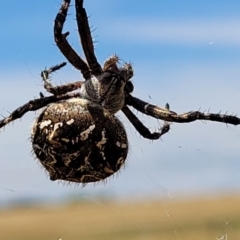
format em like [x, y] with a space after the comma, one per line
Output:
[186, 53]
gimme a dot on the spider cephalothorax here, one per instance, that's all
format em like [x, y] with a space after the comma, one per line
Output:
[77, 138]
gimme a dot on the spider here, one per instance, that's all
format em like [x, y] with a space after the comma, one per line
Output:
[77, 137]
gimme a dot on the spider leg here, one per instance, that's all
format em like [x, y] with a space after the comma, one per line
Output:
[58, 90]
[141, 128]
[34, 105]
[86, 38]
[64, 46]
[170, 116]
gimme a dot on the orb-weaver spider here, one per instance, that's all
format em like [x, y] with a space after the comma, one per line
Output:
[77, 138]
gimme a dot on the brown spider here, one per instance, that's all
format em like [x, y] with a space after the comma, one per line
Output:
[77, 138]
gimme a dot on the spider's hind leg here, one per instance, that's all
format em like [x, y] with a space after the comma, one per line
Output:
[58, 90]
[144, 131]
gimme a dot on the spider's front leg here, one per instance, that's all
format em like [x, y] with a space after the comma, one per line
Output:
[64, 46]
[60, 93]
[34, 105]
[170, 116]
[86, 38]
[58, 90]
[142, 129]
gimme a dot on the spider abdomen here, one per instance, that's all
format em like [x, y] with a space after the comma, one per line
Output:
[79, 141]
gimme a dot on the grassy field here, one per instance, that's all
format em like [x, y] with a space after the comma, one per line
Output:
[168, 220]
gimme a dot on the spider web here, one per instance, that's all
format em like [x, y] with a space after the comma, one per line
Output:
[181, 166]
[193, 169]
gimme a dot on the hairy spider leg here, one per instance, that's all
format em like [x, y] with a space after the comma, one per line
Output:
[86, 38]
[62, 43]
[144, 131]
[170, 116]
[58, 90]
[36, 104]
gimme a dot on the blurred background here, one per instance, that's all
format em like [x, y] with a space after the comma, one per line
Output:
[184, 53]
